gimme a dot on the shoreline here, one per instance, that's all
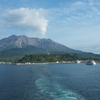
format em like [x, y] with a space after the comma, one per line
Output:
[28, 63]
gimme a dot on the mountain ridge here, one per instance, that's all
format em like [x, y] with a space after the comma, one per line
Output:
[23, 41]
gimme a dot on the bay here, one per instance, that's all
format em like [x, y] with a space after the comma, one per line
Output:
[50, 82]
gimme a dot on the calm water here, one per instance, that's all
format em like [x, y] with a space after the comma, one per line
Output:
[50, 82]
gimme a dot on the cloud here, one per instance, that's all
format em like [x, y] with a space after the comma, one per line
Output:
[79, 13]
[25, 20]
[77, 23]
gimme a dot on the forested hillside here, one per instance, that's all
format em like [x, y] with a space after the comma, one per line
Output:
[47, 58]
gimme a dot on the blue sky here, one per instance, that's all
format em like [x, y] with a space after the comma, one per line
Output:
[74, 23]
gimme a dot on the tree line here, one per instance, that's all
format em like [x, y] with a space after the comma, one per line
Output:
[35, 58]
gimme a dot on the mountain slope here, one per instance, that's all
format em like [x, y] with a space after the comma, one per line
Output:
[46, 45]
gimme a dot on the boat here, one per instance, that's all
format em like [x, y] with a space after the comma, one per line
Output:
[90, 62]
[78, 61]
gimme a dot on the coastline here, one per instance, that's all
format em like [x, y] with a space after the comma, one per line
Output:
[29, 63]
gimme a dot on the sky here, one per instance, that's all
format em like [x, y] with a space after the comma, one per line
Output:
[73, 23]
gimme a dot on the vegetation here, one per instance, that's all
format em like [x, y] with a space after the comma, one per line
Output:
[45, 58]
[40, 55]
[35, 58]
[87, 55]
[90, 58]
[10, 58]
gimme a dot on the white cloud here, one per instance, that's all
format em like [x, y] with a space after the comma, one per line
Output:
[80, 21]
[25, 19]
[79, 13]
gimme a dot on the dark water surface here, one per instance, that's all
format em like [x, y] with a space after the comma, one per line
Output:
[50, 82]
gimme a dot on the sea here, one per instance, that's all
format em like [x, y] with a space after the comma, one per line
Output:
[50, 82]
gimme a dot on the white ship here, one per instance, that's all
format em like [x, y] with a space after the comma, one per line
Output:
[90, 62]
[78, 61]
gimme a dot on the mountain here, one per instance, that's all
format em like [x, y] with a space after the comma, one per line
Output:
[24, 45]
[18, 46]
